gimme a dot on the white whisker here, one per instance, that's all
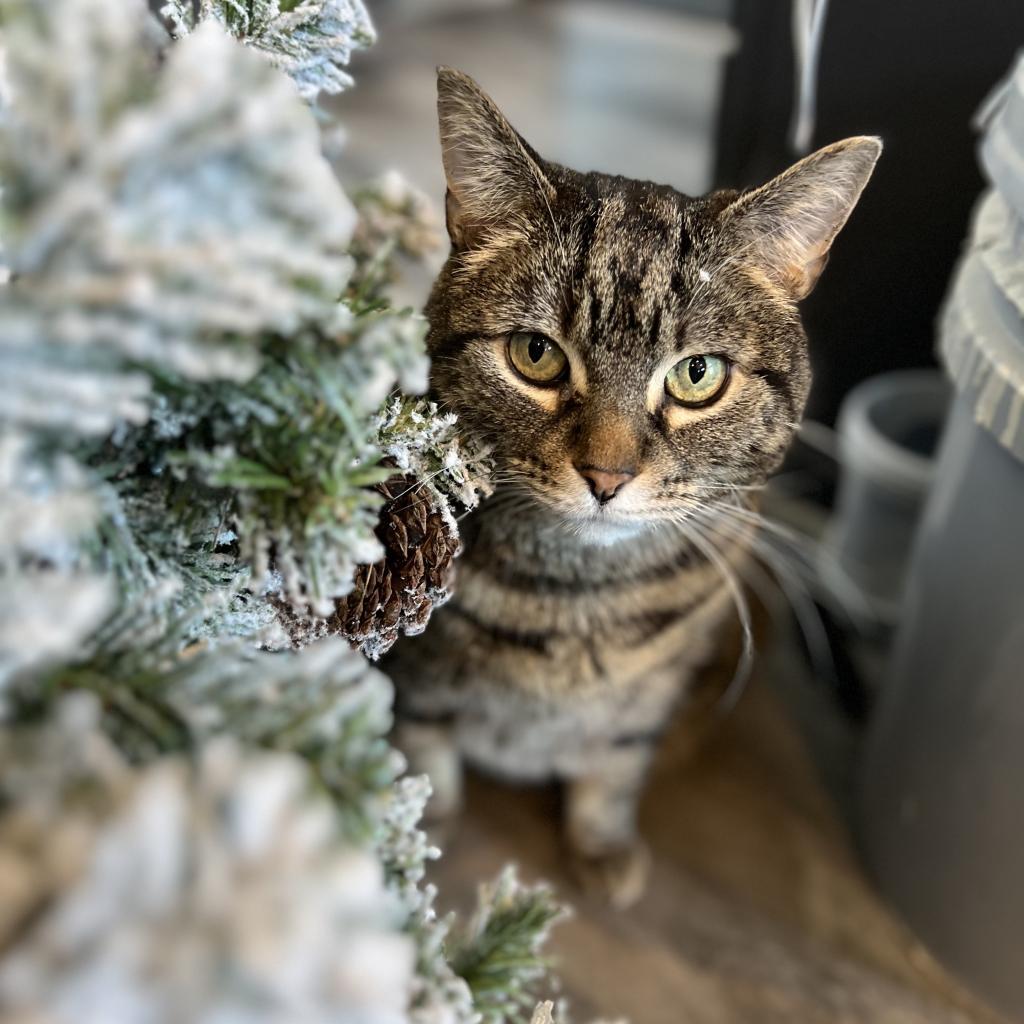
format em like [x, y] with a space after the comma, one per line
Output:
[807, 617]
[688, 525]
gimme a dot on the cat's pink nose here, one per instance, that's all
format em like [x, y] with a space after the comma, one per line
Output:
[605, 483]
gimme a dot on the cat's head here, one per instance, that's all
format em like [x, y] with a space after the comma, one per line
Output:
[624, 348]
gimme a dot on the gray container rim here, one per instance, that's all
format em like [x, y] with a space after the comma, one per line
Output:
[869, 450]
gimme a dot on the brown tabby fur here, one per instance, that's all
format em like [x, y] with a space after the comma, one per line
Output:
[577, 627]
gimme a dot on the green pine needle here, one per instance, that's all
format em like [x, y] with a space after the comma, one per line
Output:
[499, 953]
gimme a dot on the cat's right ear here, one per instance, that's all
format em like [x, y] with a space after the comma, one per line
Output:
[494, 178]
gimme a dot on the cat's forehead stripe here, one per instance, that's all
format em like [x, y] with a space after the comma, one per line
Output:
[633, 268]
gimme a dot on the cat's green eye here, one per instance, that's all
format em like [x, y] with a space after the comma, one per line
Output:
[536, 357]
[698, 380]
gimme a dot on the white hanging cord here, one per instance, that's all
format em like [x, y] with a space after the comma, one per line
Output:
[808, 30]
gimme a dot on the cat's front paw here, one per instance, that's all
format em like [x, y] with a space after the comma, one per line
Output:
[440, 818]
[430, 750]
[616, 875]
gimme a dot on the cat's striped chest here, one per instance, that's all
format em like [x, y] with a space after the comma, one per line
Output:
[546, 615]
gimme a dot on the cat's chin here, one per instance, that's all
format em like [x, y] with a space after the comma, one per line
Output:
[603, 531]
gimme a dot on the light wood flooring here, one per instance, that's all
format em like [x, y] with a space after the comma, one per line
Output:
[758, 910]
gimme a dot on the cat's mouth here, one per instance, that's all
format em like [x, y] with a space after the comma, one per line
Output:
[585, 517]
[596, 523]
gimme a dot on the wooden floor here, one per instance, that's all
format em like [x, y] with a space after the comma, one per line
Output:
[757, 909]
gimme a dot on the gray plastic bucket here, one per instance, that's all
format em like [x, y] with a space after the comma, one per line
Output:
[943, 810]
[888, 432]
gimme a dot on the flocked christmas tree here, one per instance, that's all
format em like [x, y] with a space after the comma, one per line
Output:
[208, 439]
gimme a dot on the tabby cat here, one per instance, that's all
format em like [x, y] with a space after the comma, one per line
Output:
[635, 359]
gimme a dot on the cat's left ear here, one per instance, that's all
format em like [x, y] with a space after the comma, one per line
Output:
[493, 176]
[788, 225]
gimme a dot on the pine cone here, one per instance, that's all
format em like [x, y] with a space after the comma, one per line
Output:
[395, 595]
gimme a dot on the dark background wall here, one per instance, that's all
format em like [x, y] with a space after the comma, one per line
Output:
[914, 73]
